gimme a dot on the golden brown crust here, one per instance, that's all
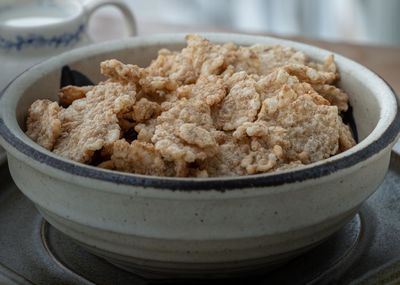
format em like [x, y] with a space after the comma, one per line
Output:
[91, 123]
[120, 72]
[43, 123]
[328, 65]
[334, 95]
[311, 127]
[137, 157]
[172, 133]
[69, 94]
[310, 75]
[239, 106]
[144, 110]
[346, 139]
[264, 59]
[227, 161]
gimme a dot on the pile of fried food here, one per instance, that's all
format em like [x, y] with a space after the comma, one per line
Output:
[208, 110]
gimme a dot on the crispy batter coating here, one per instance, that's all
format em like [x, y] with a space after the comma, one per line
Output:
[108, 164]
[227, 161]
[268, 86]
[210, 89]
[263, 134]
[310, 75]
[312, 128]
[183, 132]
[144, 110]
[69, 94]
[208, 110]
[329, 65]
[263, 59]
[334, 95]
[261, 160]
[137, 157]
[43, 123]
[172, 69]
[346, 139]
[146, 130]
[119, 72]
[268, 145]
[239, 106]
[91, 123]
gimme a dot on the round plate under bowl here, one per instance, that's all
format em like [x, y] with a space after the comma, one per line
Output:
[330, 258]
[154, 269]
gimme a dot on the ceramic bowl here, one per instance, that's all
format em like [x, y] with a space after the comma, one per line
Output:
[185, 227]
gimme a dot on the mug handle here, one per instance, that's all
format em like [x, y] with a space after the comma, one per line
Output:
[92, 5]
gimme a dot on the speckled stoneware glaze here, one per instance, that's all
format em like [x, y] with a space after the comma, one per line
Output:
[186, 227]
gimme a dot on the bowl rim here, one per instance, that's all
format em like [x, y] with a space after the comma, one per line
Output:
[312, 171]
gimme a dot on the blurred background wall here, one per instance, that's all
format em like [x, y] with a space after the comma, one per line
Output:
[361, 21]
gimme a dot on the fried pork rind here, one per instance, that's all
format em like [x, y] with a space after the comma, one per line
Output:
[172, 69]
[43, 123]
[334, 95]
[264, 59]
[144, 109]
[209, 110]
[182, 134]
[310, 75]
[267, 146]
[146, 130]
[210, 89]
[269, 86]
[229, 156]
[137, 157]
[261, 160]
[120, 72]
[262, 134]
[108, 164]
[346, 139]
[91, 123]
[329, 65]
[69, 94]
[312, 126]
[240, 105]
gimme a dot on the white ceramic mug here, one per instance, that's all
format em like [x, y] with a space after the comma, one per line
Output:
[33, 30]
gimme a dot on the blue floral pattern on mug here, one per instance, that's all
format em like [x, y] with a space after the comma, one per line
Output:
[38, 41]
